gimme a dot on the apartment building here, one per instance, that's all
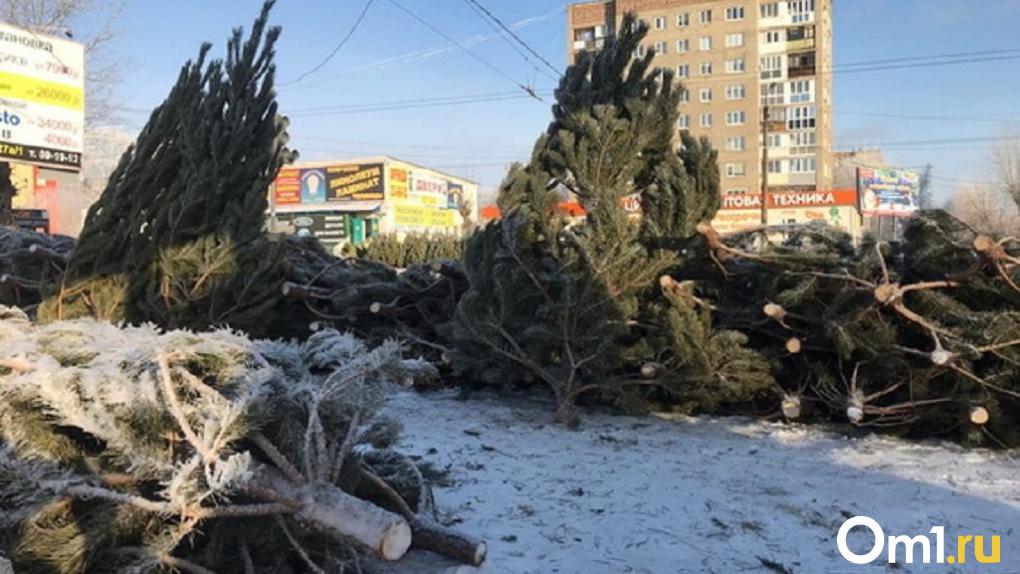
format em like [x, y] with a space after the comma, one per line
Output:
[738, 59]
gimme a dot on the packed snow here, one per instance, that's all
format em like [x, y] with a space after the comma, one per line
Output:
[692, 495]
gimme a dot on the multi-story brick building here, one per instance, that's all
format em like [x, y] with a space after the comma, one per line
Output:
[737, 59]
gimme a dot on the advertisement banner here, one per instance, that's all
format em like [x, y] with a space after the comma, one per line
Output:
[355, 183]
[42, 99]
[733, 220]
[834, 198]
[888, 192]
[328, 227]
[429, 190]
[742, 201]
[399, 183]
[454, 195]
[288, 186]
[415, 216]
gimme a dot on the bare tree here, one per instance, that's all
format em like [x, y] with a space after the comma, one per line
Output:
[91, 22]
[986, 208]
[1005, 159]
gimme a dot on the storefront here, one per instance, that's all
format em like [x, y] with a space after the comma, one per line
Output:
[351, 201]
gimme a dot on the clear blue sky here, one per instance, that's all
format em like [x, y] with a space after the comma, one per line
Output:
[392, 57]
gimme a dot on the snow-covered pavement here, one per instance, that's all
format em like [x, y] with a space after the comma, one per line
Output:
[693, 495]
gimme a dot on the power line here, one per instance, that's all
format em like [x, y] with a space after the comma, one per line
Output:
[947, 141]
[513, 35]
[411, 104]
[994, 120]
[343, 42]
[935, 57]
[467, 50]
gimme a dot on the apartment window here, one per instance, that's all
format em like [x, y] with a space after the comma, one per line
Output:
[771, 67]
[735, 66]
[773, 36]
[683, 122]
[683, 20]
[736, 144]
[774, 140]
[660, 48]
[706, 95]
[801, 118]
[706, 16]
[736, 92]
[803, 142]
[705, 43]
[802, 165]
[735, 13]
[640, 52]
[736, 118]
[775, 166]
[683, 46]
[706, 68]
[660, 23]
[734, 40]
[736, 191]
[684, 95]
[772, 94]
[802, 91]
[770, 10]
[683, 71]
[735, 169]
[706, 120]
[802, 10]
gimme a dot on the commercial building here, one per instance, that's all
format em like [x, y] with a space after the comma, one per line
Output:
[756, 80]
[350, 201]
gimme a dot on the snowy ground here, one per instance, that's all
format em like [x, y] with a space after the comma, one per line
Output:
[724, 496]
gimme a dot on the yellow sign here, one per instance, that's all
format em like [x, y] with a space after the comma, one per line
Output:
[398, 183]
[16, 87]
[420, 216]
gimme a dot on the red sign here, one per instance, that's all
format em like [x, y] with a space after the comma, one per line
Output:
[288, 186]
[833, 198]
[741, 201]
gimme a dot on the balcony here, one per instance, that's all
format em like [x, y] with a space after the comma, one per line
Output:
[801, 71]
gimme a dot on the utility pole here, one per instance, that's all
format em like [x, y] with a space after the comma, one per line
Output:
[764, 164]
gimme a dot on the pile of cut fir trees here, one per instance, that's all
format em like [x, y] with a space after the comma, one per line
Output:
[168, 407]
[921, 337]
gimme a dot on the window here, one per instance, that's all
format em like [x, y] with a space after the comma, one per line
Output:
[736, 92]
[772, 94]
[736, 118]
[705, 43]
[803, 142]
[660, 48]
[706, 16]
[683, 122]
[735, 66]
[706, 120]
[706, 95]
[770, 10]
[771, 67]
[735, 169]
[640, 52]
[774, 140]
[802, 11]
[683, 46]
[735, 13]
[734, 40]
[706, 68]
[683, 20]
[736, 144]
[683, 71]
[736, 191]
[801, 91]
[775, 166]
[773, 36]
[685, 95]
[802, 165]
[801, 118]
[660, 23]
